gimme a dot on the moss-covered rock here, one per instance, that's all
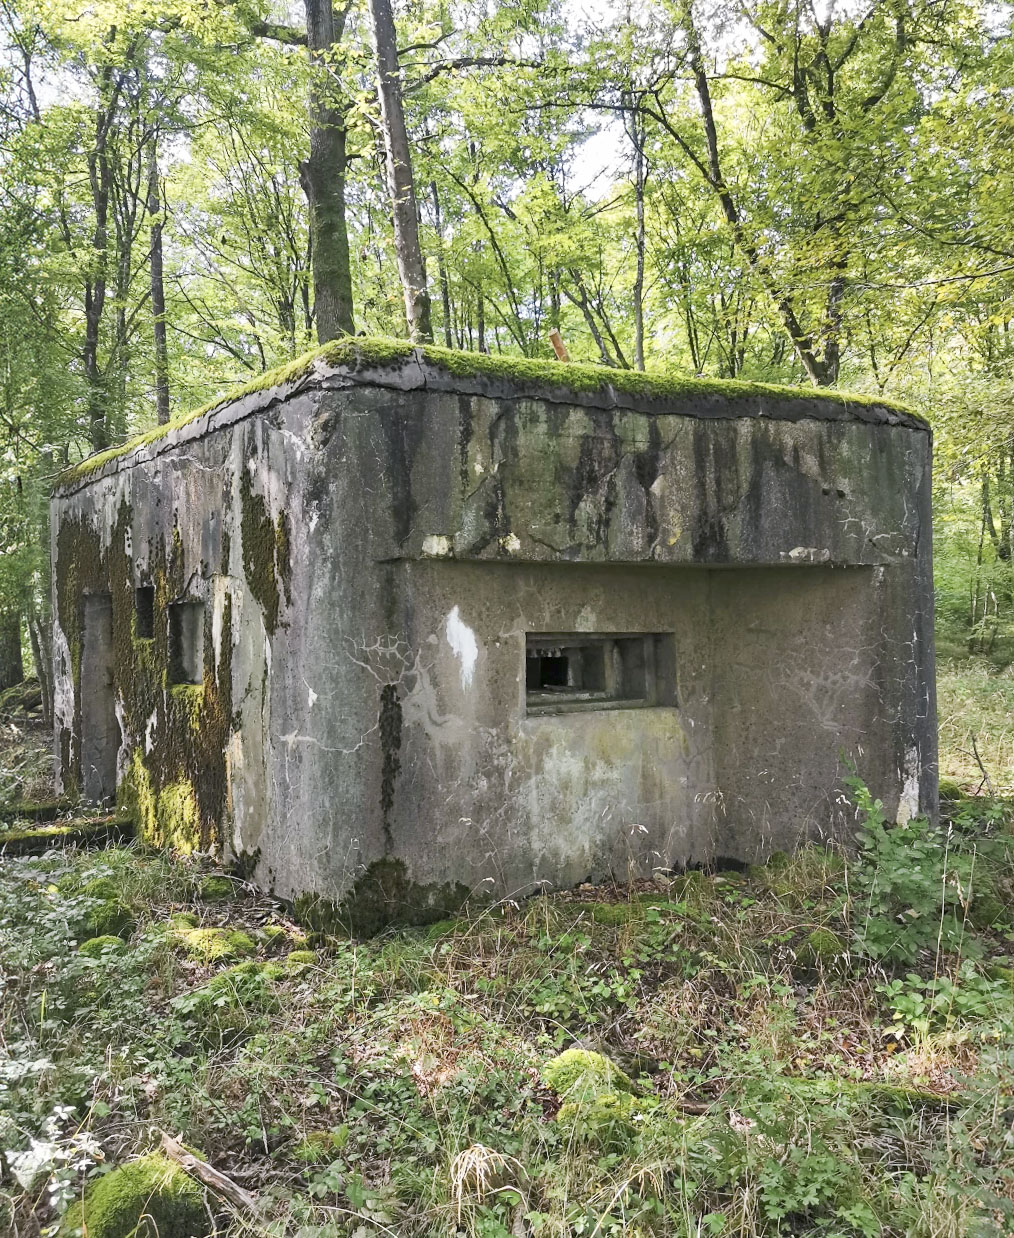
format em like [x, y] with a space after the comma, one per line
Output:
[823, 950]
[579, 1074]
[146, 1198]
[616, 913]
[215, 945]
[297, 959]
[223, 1011]
[277, 935]
[96, 947]
[105, 888]
[216, 889]
[607, 1121]
[111, 917]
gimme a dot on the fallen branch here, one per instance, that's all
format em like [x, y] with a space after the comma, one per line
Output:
[210, 1176]
[982, 769]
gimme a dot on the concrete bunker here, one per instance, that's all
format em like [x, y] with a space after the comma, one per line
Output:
[401, 623]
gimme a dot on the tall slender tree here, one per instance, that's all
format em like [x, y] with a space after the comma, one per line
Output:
[404, 209]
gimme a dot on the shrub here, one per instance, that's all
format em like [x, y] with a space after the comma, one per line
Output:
[914, 882]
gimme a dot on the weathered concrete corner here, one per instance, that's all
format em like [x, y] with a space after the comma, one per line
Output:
[403, 623]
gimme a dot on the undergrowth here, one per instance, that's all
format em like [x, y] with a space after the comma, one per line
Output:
[819, 1046]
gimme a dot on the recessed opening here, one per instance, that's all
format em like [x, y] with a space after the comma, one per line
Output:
[186, 642]
[577, 671]
[144, 612]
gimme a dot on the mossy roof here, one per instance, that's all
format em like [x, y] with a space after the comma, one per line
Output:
[371, 361]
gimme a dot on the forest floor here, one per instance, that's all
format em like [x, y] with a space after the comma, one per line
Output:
[824, 1045]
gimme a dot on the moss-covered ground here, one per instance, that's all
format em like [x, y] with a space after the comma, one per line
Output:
[688, 1057]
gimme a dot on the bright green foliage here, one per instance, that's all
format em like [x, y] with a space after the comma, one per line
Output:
[915, 885]
[147, 1198]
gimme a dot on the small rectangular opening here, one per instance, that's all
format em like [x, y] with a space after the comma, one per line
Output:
[186, 642]
[580, 671]
[144, 612]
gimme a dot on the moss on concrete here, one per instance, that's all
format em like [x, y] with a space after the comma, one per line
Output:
[175, 785]
[265, 552]
[370, 355]
[83, 833]
[384, 896]
[147, 1198]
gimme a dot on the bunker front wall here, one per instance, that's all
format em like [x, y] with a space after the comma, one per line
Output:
[371, 560]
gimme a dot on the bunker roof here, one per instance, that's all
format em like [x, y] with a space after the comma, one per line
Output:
[400, 365]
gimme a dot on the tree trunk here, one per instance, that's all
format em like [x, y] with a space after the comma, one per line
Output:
[637, 137]
[322, 176]
[12, 668]
[95, 281]
[158, 292]
[445, 284]
[411, 267]
[41, 637]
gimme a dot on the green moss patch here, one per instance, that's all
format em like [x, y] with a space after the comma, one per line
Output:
[147, 1198]
[320, 1147]
[578, 1074]
[216, 889]
[823, 950]
[85, 832]
[384, 896]
[214, 945]
[96, 947]
[110, 917]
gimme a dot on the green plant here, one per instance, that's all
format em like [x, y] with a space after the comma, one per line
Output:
[910, 887]
[920, 1005]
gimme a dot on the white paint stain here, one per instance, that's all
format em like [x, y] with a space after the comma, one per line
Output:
[908, 801]
[436, 546]
[463, 645]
